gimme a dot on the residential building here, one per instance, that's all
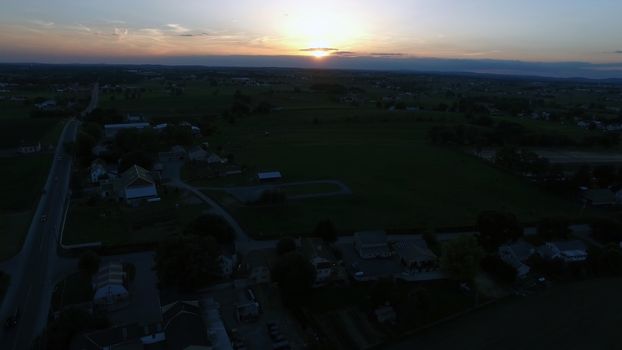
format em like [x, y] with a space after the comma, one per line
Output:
[385, 314]
[97, 170]
[136, 184]
[183, 325]
[29, 147]
[372, 244]
[110, 287]
[516, 254]
[598, 197]
[415, 256]
[269, 176]
[568, 251]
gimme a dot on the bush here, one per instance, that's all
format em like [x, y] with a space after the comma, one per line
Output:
[498, 269]
[89, 262]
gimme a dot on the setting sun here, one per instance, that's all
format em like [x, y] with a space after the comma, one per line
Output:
[319, 53]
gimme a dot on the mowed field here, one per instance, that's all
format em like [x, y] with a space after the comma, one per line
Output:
[398, 179]
[23, 179]
[582, 315]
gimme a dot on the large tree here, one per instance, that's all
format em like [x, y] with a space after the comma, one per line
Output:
[496, 228]
[326, 230]
[89, 262]
[461, 258]
[295, 276]
[285, 245]
[212, 225]
[187, 262]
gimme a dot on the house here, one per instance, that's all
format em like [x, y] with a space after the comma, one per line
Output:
[269, 176]
[136, 184]
[415, 256]
[110, 286]
[385, 314]
[46, 105]
[197, 154]
[216, 331]
[568, 251]
[516, 254]
[598, 197]
[97, 170]
[111, 130]
[247, 308]
[227, 264]
[372, 244]
[213, 158]
[324, 261]
[130, 336]
[29, 147]
[183, 325]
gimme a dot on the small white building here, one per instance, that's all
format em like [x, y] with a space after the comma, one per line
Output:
[26, 148]
[269, 176]
[97, 170]
[110, 286]
[516, 254]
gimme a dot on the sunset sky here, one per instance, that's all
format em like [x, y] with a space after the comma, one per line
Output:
[109, 30]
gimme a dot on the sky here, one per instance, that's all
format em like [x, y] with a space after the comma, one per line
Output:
[326, 32]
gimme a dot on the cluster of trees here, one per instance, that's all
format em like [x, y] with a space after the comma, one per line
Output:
[190, 261]
[294, 274]
[243, 105]
[523, 161]
[486, 133]
[69, 323]
[461, 257]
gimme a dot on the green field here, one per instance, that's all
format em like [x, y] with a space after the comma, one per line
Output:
[117, 224]
[398, 179]
[582, 315]
[23, 179]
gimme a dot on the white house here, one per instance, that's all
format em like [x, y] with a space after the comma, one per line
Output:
[110, 286]
[415, 256]
[372, 244]
[97, 170]
[26, 148]
[46, 105]
[136, 183]
[269, 176]
[516, 254]
[568, 251]
[227, 264]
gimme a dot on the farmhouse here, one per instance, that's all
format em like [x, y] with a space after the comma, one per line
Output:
[269, 176]
[372, 244]
[415, 256]
[197, 154]
[516, 254]
[97, 170]
[111, 130]
[135, 184]
[110, 286]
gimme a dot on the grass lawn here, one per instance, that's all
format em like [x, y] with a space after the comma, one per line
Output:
[23, 179]
[116, 224]
[582, 315]
[13, 131]
[398, 179]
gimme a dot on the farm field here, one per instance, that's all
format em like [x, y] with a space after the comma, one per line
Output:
[398, 179]
[23, 179]
[581, 315]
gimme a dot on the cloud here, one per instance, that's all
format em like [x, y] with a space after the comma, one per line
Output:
[312, 49]
[41, 23]
[120, 33]
[193, 35]
[177, 28]
[618, 51]
[386, 54]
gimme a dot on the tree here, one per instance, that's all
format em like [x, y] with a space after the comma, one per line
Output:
[326, 230]
[212, 225]
[89, 262]
[285, 245]
[607, 230]
[606, 261]
[496, 228]
[84, 146]
[553, 228]
[498, 269]
[295, 276]
[187, 262]
[139, 158]
[461, 258]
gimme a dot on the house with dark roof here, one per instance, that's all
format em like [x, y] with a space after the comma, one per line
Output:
[415, 256]
[601, 197]
[136, 184]
[372, 244]
[568, 251]
[110, 285]
[183, 325]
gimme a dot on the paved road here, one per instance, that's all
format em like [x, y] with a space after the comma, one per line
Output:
[34, 275]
